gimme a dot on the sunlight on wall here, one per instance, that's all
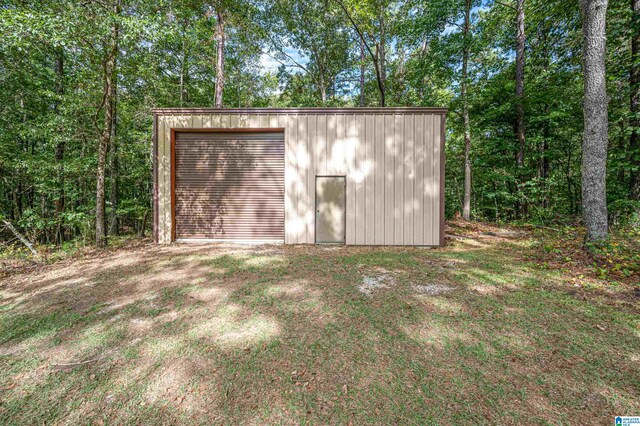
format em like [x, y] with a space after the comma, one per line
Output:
[390, 161]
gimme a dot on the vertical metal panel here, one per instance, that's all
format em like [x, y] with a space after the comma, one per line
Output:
[349, 166]
[380, 179]
[358, 174]
[428, 179]
[331, 142]
[409, 178]
[441, 219]
[338, 151]
[154, 163]
[321, 145]
[398, 157]
[369, 184]
[302, 168]
[389, 167]
[162, 191]
[290, 176]
[312, 141]
[419, 140]
[164, 182]
[435, 192]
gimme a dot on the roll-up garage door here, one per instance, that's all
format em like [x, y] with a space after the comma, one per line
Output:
[229, 185]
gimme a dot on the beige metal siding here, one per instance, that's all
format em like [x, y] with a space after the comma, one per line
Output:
[390, 158]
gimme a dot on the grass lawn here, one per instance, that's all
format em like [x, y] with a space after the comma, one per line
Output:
[476, 332]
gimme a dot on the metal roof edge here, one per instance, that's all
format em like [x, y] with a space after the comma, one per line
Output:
[319, 110]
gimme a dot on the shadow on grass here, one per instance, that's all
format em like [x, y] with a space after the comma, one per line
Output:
[277, 335]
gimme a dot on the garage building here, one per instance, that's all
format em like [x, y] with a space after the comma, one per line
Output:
[358, 176]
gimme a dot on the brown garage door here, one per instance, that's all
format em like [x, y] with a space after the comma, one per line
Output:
[229, 185]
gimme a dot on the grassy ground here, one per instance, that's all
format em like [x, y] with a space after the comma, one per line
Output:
[481, 331]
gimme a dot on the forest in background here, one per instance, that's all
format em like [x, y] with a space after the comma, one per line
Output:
[78, 81]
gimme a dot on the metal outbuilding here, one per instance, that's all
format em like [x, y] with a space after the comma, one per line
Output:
[360, 176]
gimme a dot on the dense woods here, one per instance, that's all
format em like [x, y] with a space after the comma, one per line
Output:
[78, 81]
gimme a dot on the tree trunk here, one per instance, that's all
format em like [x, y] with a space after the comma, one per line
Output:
[466, 207]
[114, 167]
[545, 156]
[323, 88]
[374, 56]
[383, 55]
[546, 131]
[634, 83]
[361, 73]
[22, 238]
[143, 225]
[596, 126]
[60, 147]
[105, 138]
[183, 60]
[520, 43]
[220, 37]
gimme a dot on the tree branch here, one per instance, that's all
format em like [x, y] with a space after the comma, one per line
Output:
[364, 41]
[283, 53]
[21, 237]
[505, 5]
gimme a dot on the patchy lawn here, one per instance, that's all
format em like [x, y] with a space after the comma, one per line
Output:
[477, 332]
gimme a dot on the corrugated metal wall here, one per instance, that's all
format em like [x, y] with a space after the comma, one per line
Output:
[392, 160]
[229, 185]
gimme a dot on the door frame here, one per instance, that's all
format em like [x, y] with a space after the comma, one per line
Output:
[206, 130]
[315, 208]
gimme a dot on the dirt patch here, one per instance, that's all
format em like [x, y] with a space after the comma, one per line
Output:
[371, 285]
[431, 289]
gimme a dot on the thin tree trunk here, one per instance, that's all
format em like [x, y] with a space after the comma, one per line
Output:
[545, 156]
[114, 167]
[105, 138]
[466, 207]
[596, 126]
[383, 51]
[323, 89]
[569, 179]
[520, 44]
[143, 225]
[22, 238]
[183, 60]
[546, 132]
[634, 142]
[374, 56]
[361, 73]
[221, 38]
[60, 147]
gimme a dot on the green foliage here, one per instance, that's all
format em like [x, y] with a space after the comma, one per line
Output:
[166, 55]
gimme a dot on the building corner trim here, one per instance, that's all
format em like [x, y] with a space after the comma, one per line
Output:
[442, 175]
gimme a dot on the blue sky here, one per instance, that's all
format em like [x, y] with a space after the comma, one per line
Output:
[269, 64]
